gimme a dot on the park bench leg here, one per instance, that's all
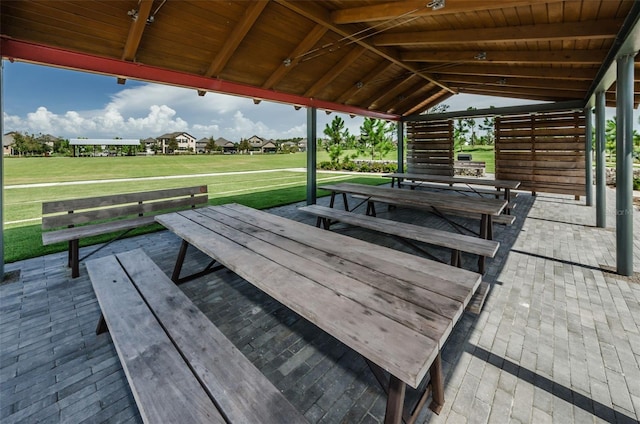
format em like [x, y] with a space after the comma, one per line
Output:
[456, 258]
[74, 258]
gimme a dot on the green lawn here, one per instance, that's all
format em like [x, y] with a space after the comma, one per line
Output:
[269, 184]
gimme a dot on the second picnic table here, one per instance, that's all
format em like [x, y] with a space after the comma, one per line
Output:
[395, 309]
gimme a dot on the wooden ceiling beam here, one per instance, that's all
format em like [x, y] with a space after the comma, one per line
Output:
[390, 94]
[409, 97]
[380, 69]
[136, 30]
[551, 92]
[296, 54]
[417, 8]
[588, 30]
[251, 14]
[319, 15]
[568, 57]
[577, 85]
[430, 101]
[520, 72]
[336, 70]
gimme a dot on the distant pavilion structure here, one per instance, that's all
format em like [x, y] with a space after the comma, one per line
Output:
[103, 142]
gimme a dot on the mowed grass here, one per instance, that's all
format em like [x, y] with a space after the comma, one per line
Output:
[259, 181]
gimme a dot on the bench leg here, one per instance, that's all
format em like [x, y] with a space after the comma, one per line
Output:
[74, 258]
[102, 325]
[456, 258]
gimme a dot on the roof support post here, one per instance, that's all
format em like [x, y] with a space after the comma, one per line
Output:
[312, 146]
[624, 165]
[588, 154]
[601, 178]
[400, 130]
[1, 176]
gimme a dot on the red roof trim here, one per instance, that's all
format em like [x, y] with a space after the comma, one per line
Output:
[52, 56]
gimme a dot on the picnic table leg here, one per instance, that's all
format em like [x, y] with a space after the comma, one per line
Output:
[102, 325]
[437, 385]
[344, 200]
[507, 197]
[175, 277]
[486, 229]
[333, 199]
[395, 401]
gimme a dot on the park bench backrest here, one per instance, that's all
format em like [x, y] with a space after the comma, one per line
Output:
[65, 213]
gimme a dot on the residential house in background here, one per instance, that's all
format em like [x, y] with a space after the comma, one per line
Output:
[150, 145]
[227, 146]
[259, 144]
[186, 142]
[8, 144]
[201, 145]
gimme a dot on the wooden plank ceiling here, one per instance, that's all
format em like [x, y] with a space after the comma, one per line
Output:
[394, 57]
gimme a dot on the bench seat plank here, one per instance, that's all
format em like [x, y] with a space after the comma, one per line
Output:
[162, 384]
[241, 391]
[440, 238]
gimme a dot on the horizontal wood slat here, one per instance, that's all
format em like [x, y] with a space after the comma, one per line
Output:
[130, 210]
[544, 151]
[117, 199]
[430, 147]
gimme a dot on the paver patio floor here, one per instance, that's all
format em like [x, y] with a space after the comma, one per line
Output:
[558, 339]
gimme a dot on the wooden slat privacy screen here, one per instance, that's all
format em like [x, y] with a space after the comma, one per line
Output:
[430, 147]
[546, 152]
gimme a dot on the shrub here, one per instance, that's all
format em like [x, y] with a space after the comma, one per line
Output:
[636, 183]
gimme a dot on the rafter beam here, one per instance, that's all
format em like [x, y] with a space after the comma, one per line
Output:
[251, 14]
[568, 57]
[412, 95]
[549, 93]
[430, 101]
[366, 80]
[336, 70]
[390, 94]
[296, 54]
[576, 85]
[530, 95]
[588, 30]
[318, 14]
[136, 29]
[520, 71]
[417, 8]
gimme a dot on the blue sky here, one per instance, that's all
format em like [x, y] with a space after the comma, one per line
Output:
[70, 104]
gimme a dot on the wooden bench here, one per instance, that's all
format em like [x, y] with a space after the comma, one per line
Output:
[75, 219]
[496, 219]
[456, 242]
[180, 367]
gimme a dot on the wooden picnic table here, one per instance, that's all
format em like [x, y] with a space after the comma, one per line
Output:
[393, 308]
[438, 203]
[506, 185]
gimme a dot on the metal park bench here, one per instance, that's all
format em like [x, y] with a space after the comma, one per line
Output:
[180, 367]
[75, 219]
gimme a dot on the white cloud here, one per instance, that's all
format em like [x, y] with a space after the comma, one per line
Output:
[150, 110]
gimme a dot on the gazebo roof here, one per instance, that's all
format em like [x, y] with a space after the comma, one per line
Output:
[377, 58]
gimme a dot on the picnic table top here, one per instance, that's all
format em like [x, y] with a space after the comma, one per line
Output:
[445, 201]
[510, 184]
[394, 308]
